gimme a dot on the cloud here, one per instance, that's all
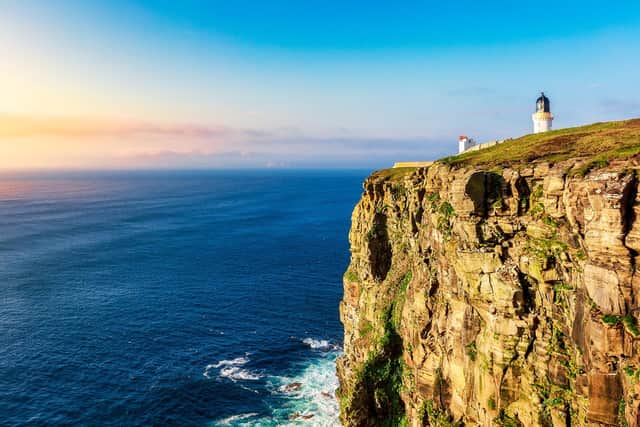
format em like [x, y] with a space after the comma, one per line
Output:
[22, 126]
[18, 126]
[341, 143]
[295, 153]
[103, 143]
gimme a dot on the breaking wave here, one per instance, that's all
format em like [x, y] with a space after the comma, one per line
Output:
[235, 373]
[306, 398]
[236, 361]
[320, 344]
[310, 395]
[232, 369]
[235, 419]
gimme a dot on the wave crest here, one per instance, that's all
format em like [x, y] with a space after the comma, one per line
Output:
[232, 369]
[320, 344]
[235, 418]
[236, 361]
[235, 373]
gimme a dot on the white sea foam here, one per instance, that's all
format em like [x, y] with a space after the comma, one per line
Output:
[236, 419]
[235, 373]
[310, 395]
[232, 362]
[232, 369]
[320, 344]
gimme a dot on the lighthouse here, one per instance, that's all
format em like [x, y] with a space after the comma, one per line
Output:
[542, 118]
[464, 143]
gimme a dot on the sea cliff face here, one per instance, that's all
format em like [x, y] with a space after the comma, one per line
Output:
[505, 297]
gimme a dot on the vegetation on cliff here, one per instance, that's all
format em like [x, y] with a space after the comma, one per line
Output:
[498, 287]
[594, 145]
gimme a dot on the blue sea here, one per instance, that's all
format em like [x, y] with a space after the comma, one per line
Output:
[191, 298]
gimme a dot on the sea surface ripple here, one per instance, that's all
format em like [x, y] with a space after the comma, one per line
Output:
[172, 298]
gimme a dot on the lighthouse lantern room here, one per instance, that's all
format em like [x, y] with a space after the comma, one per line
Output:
[542, 118]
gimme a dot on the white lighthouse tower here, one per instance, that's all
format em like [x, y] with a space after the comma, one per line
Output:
[542, 118]
[464, 143]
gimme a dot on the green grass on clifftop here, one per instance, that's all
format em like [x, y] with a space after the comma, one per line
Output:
[392, 173]
[598, 144]
[595, 145]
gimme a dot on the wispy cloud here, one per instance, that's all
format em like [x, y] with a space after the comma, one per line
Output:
[92, 142]
[16, 126]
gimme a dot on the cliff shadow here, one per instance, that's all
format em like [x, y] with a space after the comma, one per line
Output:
[486, 190]
[380, 252]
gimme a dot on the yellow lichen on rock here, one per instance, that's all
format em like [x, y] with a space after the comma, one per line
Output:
[493, 298]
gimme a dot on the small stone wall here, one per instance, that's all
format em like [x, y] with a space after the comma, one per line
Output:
[429, 163]
[485, 145]
[412, 164]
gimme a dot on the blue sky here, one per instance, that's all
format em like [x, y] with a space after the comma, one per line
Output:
[299, 83]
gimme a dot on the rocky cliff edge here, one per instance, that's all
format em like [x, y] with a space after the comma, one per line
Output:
[498, 288]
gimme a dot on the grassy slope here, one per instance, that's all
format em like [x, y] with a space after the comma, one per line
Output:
[596, 144]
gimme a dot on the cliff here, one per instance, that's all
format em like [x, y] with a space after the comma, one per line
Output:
[499, 287]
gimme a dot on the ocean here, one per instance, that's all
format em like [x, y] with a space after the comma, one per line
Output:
[191, 298]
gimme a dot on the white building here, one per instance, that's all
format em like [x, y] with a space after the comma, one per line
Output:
[542, 118]
[464, 143]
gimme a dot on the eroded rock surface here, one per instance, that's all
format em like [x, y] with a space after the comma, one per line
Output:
[493, 298]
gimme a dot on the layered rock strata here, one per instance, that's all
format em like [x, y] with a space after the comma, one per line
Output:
[493, 298]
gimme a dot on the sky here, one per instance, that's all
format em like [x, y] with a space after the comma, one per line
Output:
[299, 83]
